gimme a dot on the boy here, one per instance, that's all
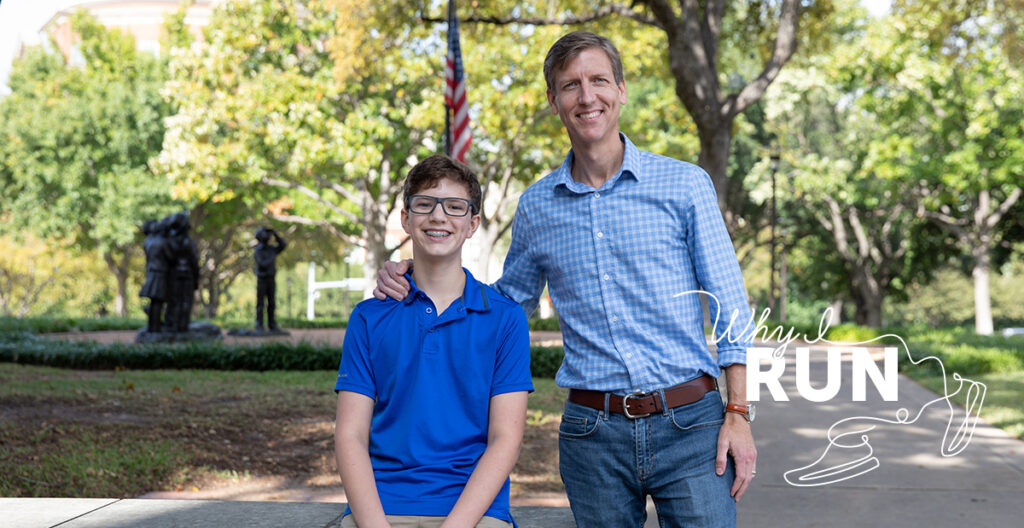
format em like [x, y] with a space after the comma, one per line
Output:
[432, 389]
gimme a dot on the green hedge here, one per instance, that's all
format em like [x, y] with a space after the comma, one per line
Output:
[284, 322]
[50, 324]
[549, 324]
[25, 348]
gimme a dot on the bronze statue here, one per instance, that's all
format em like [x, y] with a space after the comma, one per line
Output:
[158, 260]
[172, 277]
[265, 256]
[184, 275]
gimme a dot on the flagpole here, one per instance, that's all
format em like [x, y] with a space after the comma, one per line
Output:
[447, 109]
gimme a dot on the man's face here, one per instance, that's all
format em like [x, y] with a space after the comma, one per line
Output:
[437, 234]
[587, 99]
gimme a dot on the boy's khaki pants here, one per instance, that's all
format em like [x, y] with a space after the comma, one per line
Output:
[420, 521]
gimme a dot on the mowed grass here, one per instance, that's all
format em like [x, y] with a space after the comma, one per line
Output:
[1003, 406]
[72, 433]
[121, 433]
[996, 361]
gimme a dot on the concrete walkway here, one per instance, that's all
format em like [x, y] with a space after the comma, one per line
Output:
[895, 476]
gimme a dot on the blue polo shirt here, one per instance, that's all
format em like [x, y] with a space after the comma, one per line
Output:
[432, 377]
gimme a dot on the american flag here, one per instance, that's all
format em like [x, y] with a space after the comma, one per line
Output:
[457, 134]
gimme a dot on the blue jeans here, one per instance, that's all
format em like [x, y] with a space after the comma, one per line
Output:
[610, 464]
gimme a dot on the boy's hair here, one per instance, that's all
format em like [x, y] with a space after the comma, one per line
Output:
[571, 45]
[428, 172]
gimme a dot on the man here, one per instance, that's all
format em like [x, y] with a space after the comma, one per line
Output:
[617, 234]
[432, 390]
[265, 256]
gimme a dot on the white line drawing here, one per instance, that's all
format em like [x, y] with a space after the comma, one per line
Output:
[858, 439]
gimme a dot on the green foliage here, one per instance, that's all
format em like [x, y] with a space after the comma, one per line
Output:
[29, 349]
[550, 324]
[545, 361]
[75, 144]
[852, 333]
[964, 352]
[285, 322]
[51, 324]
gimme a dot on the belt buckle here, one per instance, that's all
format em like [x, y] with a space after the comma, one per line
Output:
[625, 405]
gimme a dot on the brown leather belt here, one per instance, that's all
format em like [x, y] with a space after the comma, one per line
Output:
[638, 404]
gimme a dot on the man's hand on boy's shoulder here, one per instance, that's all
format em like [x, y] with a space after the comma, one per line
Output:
[391, 280]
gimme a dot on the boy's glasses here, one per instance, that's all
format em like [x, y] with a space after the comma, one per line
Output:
[423, 204]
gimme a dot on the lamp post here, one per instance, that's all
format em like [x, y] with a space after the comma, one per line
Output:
[771, 275]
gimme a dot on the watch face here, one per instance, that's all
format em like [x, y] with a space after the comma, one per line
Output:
[750, 412]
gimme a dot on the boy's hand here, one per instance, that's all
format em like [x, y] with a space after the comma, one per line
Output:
[391, 281]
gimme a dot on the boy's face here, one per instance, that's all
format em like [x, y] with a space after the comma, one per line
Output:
[436, 234]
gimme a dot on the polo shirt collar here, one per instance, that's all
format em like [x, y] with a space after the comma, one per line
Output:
[630, 166]
[474, 295]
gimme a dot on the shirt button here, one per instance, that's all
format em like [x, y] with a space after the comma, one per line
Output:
[629, 354]
[607, 276]
[615, 318]
[430, 310]
[600, 234]
[597, 195]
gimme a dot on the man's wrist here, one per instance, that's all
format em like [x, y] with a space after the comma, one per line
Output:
[744, 410]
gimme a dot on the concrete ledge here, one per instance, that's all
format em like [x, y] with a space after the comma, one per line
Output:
[156, 513]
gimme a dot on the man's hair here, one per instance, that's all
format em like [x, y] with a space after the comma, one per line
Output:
[430, 171]
[571, 45]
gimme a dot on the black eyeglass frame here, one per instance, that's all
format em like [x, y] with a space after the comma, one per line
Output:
[408, 205]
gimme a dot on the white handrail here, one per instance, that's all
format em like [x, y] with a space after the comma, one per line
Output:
[313, 288]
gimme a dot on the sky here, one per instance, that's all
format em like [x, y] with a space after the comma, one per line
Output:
[24, 18]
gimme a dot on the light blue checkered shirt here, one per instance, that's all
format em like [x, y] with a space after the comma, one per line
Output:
[615, 259]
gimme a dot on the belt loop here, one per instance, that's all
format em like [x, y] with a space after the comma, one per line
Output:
[664, 403]
[607, 405]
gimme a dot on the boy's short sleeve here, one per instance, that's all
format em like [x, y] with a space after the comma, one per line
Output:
[512, 364]
[355, 373]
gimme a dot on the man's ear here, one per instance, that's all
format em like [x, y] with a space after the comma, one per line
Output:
[622, 92]
[551, 102]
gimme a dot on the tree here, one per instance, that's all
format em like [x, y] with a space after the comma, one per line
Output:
[695, 31]
[262, 116]
[955, 67]
[848, 182]
[76, 145]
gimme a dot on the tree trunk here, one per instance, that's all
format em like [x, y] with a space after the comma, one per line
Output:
[982, 298]
[979, 246]
[213, 298]
[714, 158]
[120, 272]
[376, 254]
[868, 295]
[868, 309]
[837, 313]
